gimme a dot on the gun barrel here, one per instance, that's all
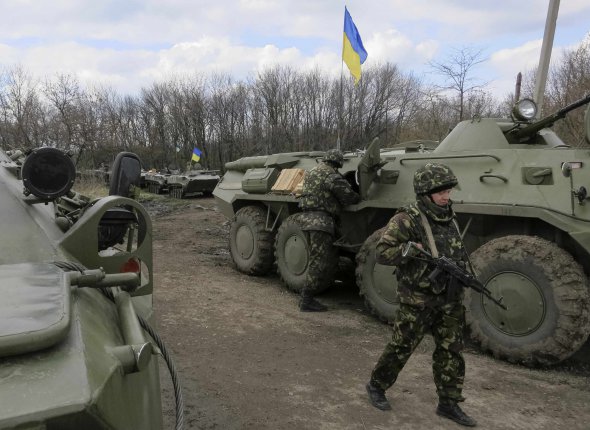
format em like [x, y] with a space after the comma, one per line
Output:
[444, 264]
[488, 295]
[467, 279]
[548, 121]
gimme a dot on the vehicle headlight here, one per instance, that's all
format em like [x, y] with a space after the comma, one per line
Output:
[48, 173]
[524, 110]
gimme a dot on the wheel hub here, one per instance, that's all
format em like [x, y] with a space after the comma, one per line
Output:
[524, 300]
[296, 255]
[245, 242]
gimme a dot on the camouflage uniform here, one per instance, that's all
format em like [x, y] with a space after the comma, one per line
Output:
[324, 193]
[424, 305]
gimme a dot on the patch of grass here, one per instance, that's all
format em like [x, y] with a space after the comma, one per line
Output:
[91, 187]
[163, 199]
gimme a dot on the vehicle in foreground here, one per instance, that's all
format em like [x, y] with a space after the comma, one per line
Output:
[522, 205]
[77, 350]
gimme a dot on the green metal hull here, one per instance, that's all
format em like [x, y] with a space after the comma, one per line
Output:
[66, 359]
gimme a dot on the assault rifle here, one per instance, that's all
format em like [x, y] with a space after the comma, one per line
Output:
[446, 266]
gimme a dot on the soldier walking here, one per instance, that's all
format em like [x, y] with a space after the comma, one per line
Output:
[425, 305]
[325, 192]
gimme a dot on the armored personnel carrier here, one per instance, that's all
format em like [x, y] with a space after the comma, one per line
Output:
[522, 205]
[194, 182]
[77, 349]
[155, 182]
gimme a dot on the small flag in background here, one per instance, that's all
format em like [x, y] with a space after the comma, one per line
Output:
[353, 51]
[196, 155]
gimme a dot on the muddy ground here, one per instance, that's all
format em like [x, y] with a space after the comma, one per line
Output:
[248, 359]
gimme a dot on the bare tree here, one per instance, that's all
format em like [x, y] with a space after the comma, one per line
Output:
[154, 105]
[21, 109]
[456, 71]
[568, 82]
[63, 93]
[319, 112]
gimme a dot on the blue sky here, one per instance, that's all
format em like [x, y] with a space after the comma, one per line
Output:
[128, 44]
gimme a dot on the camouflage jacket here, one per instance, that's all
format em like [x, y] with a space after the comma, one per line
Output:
[326, 190]
[414, 287]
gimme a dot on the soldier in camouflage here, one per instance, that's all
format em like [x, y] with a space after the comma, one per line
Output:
[425, 305]
[324, 193]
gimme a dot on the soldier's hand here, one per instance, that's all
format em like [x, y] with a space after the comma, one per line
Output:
[411, 249]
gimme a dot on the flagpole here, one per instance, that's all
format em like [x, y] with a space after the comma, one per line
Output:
[361, 100]
[340, 103]
[351, 39]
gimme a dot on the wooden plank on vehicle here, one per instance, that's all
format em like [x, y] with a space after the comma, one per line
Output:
[288, 181]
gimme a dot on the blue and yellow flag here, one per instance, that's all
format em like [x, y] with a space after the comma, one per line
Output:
[353, 51]
[196, 155]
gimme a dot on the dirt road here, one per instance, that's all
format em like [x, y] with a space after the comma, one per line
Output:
[248, 359]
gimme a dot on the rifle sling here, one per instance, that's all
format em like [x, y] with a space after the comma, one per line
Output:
[430, 237]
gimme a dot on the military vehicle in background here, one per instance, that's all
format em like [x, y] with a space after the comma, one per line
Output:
[77, 350]
[194, 182]
[522, 205]
[156, 182]
[142, 183]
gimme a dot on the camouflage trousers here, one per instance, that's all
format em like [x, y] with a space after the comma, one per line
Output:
[320, 249]
[446, 323]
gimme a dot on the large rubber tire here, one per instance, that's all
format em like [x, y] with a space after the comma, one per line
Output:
[377, 283]
[547, 296]
[292, 257]
[250, 243]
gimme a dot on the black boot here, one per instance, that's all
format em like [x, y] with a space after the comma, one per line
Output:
[309, 304]
[452, 411]
[377, 397]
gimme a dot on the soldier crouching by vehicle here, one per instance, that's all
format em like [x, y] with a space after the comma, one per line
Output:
[325, 192]
[425, 303]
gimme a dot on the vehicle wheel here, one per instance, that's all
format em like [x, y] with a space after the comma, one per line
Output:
[377, 283]
[292, 257]
[250, 244]
[546, 292]
[175, 192]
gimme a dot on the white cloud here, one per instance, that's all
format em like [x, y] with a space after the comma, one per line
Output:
[521, 58]
[131, 43]
[394, 47]
[507, 63]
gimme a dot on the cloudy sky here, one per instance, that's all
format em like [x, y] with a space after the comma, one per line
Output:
[128, 44]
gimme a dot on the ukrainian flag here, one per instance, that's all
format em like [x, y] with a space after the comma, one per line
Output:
[196, 155]
[353, 51]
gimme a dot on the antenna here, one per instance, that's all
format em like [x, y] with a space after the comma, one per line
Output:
[545, 57]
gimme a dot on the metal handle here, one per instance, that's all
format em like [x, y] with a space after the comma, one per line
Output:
[449, 157]
[488, 175]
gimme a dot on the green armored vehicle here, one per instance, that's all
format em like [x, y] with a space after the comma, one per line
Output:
[155, 182]
[194, 182]
[77, 350]
[522, 205]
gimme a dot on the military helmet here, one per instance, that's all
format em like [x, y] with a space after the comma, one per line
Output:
[432, 178]
[335, 157]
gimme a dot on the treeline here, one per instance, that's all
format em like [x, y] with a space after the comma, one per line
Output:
[278, 110]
